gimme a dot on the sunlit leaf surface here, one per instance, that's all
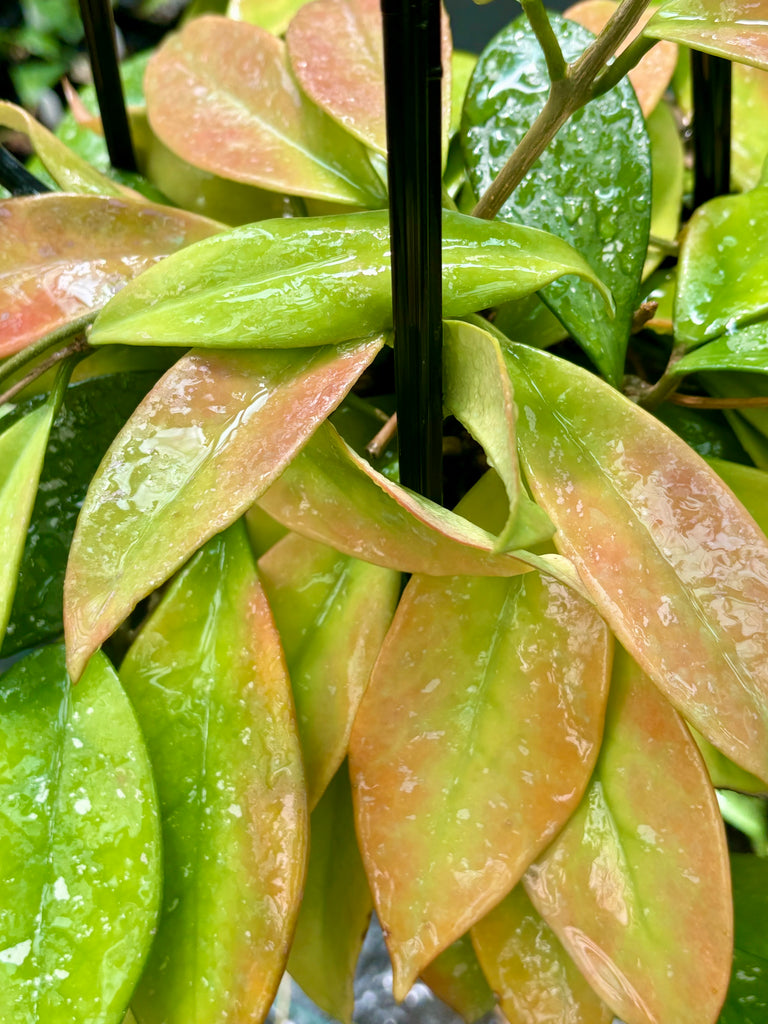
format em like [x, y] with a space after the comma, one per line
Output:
[636, 886]
[273, 15]
[242, 290]
[592, 186]
[734, 29]
[79, 846]
[336, 906]
[673, 561]
[332, 612]
[535, 979]
[62, 257]
[460, 771]
[456, 977]
[207, 90]
[214, 432]
[210, 688]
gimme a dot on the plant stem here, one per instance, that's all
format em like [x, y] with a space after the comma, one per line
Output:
[11, 364]
[16, 178]
[99, 25]
[79, 345]
[377, 444]
[557, 66]
[705, 402]
[711, 80]
[624, 63]
[566, 96]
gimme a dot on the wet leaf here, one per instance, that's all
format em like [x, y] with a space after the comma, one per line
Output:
[652, 75]
[749, 424]
[667, 160]
[22, 450]
[206, 89]
[636, 885]
[460, 772]
[672, 560]
[457, 978]
[336, 907]
[705, 430]
[62, 257]
[591, 187]
[80, 878]
[462, 66]
[241, 289]
[535, 979]
[734, 29]
[747, 999]
[332, 613]
[749, 108]
[750, 486]
[210, 688]
[722, 280]
[744, 349]
[723, 773]
[337, 54]
[190, 461]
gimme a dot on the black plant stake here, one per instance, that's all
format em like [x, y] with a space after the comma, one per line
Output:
[711, 126]
[413, 75]
[16, 178]
[99, 28]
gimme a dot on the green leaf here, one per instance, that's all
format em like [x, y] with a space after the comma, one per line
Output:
[723, 772]
[705, 430]
[744, 349]
[749, 814]
[332, 613]
[273, 15]
[241, 288]
[747, 999]
[336, 907]
[533, 976]
[63, 256]
[22, 450]
[636, 885]
[188, 463]
[672, 560]
[667, 165]
[91, 415]
[592, 186]
[452, 749]
[749, 108]
[221, 95]
[749, 423]
[722, 280]
[750, 486]
[456, 978]
[734, 29]
[80, 861]
[210, 688]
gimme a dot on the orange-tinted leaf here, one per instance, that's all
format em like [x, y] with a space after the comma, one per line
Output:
[190, 460]
[651, 76]
[734, 29]
[210, 688]
[673, 561]
[637, 885]
[534, 978]
[332, 612]
[220, 94]
[336, 51]
[62, 257]
[460, 770]
[456, 977]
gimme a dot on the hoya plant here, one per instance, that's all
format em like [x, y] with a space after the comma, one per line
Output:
[254, 686]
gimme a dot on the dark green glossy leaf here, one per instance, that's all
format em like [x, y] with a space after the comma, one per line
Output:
[754, 441]
[332, 612]
[722, 280]
[210, 688]
[460, 771]
[80, 849]
[592, 186]
[636, 885]
[745, 349]
[706, 431]
[241, 289]
[734, 29]
[457, 978]
[189, 462]
[336, 907]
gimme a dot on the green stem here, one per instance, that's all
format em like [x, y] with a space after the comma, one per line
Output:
[666, 385]
[13, 363]
[624, 63]
[557, 66]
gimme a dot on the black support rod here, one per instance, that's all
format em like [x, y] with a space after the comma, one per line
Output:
[99, 28]
[711, 126]
[16, 178]
[413, 74]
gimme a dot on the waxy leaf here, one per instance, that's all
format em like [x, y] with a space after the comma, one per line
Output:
[220, 94]
[723, 773]
[336, 907]
[636, 886]
[337, 54]
[242, 289]
[592, 186]
[22, 450]
[273, 15]
[722, 280]
[750, 486]
[673, 561]
[456, 977]
[534, 978]
[747, 999]
[62, 257]
[80, 852]
[332, 613]
[749, 109]
[653, 73]
[210, 688]
[667, 164]
[460, 772]
[209, 438]
[744, 349]
[734, 29]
